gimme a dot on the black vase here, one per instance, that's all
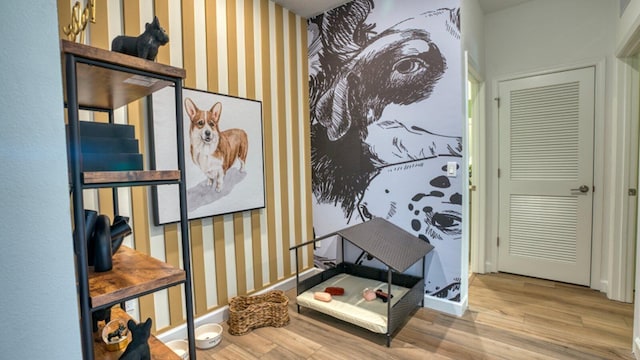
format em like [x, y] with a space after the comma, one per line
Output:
[102, 244]
[119, 229]
[90, 217]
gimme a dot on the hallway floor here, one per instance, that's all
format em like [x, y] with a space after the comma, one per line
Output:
[509, 317]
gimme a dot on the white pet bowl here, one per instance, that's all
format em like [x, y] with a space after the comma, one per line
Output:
[208, 335]
[180, 347]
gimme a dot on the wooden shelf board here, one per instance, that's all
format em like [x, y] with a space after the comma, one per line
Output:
[107, 177]
[159, 351]
[104, 88]
[133, 274]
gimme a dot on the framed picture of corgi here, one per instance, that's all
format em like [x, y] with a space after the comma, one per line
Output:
[223, 149]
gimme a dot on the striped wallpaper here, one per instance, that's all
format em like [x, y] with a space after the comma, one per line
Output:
[248, 48]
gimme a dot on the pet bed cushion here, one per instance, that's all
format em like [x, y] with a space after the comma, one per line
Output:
[352, 307]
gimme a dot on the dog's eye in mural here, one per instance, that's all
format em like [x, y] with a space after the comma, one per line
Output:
[409, 65]
[396, 67]
[385, 90]
[443, 222]
[448, 223]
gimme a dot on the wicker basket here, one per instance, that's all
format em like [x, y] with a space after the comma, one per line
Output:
[250, 312]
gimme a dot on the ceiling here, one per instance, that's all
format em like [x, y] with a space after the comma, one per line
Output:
[491, 6]
[310, 8]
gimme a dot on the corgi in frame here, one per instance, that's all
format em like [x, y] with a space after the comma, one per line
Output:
[212, 150]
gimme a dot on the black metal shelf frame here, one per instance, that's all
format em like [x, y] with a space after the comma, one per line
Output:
[73, 108]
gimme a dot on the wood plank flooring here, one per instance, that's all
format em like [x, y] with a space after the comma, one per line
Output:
[509, 317]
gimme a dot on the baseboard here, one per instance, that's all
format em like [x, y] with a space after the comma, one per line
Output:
[604, 286]
[447, 306]
[488, 267]
[636, 348]
[220, 315]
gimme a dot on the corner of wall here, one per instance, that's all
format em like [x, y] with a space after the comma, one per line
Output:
[473, 33]
[447, 306]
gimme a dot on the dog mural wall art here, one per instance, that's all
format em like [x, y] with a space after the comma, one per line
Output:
[386, 101]
[223, 153]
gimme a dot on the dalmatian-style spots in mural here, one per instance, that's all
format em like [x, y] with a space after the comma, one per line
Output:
[448, 224]
[434, 214]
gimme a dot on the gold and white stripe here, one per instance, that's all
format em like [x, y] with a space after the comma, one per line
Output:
[248, 48]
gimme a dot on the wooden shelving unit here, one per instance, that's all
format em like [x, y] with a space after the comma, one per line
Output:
[101, 80]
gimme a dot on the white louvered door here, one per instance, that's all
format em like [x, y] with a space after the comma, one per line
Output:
[546, 175]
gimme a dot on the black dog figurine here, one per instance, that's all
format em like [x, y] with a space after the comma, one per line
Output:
[138, 349]
[144, 46]
[119, 333]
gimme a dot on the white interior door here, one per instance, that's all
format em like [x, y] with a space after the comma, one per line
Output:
[546, 175]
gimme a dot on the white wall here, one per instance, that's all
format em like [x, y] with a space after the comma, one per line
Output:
[472, 27]
[542, 35]
[546, 33]
[38, 301]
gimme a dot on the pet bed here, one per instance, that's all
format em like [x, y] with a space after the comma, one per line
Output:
[397, 250]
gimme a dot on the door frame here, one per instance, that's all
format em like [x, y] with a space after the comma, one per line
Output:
[478, 226]
[597, 280]
[629, 109]
[628, 48]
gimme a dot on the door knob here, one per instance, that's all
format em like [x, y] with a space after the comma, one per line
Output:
[582, 189]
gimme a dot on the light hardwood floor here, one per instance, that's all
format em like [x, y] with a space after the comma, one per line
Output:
[509, 317]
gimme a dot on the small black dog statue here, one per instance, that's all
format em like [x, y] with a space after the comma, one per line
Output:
[138, 348]
[119, 333]
[144, 46]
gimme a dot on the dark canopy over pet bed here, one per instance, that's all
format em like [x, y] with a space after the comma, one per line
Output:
[397, 250]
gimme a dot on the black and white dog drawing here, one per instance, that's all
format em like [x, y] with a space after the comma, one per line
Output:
[361, 74]
[373, 108]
